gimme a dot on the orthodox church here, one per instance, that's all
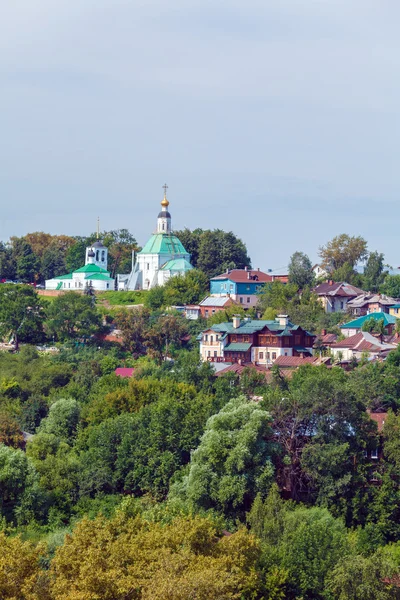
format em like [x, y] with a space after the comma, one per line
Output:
[92, 275]
[161, 258]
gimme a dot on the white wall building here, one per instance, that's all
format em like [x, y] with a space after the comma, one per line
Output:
[162, 257]
[92, 275]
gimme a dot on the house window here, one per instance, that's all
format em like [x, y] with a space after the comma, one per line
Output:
[217, 338]
[241, 300]
[234, 338]
[261, 355]
[215, 354]
[297, 340]
[206, 338]
[248, 299]
[286, 354]
[374, 453]
[208, 353]
[231, 286]
[206, 312]
[69, 285]
[211, 339]
[108, 285]
[342, 305]
[273, 355]
[267, 356]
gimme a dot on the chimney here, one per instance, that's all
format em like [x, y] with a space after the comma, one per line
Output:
[236, 321]
[283, 320]
[330, 282]
[246, 268]
[323, 331]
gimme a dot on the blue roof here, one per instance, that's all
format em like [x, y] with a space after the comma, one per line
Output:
[358, 323]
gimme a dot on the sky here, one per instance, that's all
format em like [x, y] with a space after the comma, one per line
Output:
[275, 119]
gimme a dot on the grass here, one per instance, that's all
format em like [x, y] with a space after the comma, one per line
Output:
[122, 298]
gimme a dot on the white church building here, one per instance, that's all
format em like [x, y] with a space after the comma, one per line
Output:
[161, 258]
[92, 275]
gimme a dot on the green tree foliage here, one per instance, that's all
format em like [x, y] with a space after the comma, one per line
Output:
[214, 252]
[21, 314]
[391, 286]
[190, 288]
[71, 316]
[62, 420]
[343, 249]
[374, 274]
[233, 461]
[20, 497]
[300, 270]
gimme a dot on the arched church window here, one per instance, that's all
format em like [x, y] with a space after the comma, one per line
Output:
[103, 255]
[163, 226]
[97, 255]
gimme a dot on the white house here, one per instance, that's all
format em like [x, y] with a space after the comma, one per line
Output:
[92, 275]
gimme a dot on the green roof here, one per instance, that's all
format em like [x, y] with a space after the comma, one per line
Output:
[250, 326]
[91, 269]
[99, 277]
[394, 306]
[237, 347]
[163, 243]
[379, 316]
[177, 264]
[67, 276]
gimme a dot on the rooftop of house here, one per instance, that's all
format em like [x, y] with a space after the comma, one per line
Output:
[379, 419]
[216, 301]
[363, 342]
[239, 368]
[292, 362]
[359, 322]
[326, 338]
[249, 326]
[366, 299]
[341, 288]
[124, 371]
[244, 275]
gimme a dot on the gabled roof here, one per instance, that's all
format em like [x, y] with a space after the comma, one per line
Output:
[337, 289]
[218, 301]
[358, 323]
[379, 419]
[363, 342]
[67, 276]
[244, 276]
[366, 299]
[177, 264]
[163, 243]
[91, 269]
[298, 361]
[124, 371]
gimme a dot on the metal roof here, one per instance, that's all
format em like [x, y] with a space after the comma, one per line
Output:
[237, 347]
[358, 323]
[163, 243]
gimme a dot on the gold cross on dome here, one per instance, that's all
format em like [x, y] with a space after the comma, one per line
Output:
[165, 187]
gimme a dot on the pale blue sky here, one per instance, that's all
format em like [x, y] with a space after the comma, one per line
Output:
[277, 119]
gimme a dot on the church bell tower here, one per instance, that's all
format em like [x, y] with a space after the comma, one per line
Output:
[164, 217]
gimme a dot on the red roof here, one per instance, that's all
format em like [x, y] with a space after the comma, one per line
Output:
[294, 361]
[379, 419]
[243, 275]
[124, 371]
[237, 368]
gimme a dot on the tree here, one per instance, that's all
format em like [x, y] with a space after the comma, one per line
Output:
[374, 271]
[233, 461]
[10, 431]
[72, 316]
[343, 249]
[21, 314]
[375, 325]
[165, 333]
[53, 262]
[120, 244]
[300, 270]
[190, 288]
[391, 286]
[131, 558]
[133, 325]
[75, 255]
[62, 420]
[213, 252]
[21, 576]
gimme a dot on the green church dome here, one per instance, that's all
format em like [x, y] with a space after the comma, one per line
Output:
[163, 243]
